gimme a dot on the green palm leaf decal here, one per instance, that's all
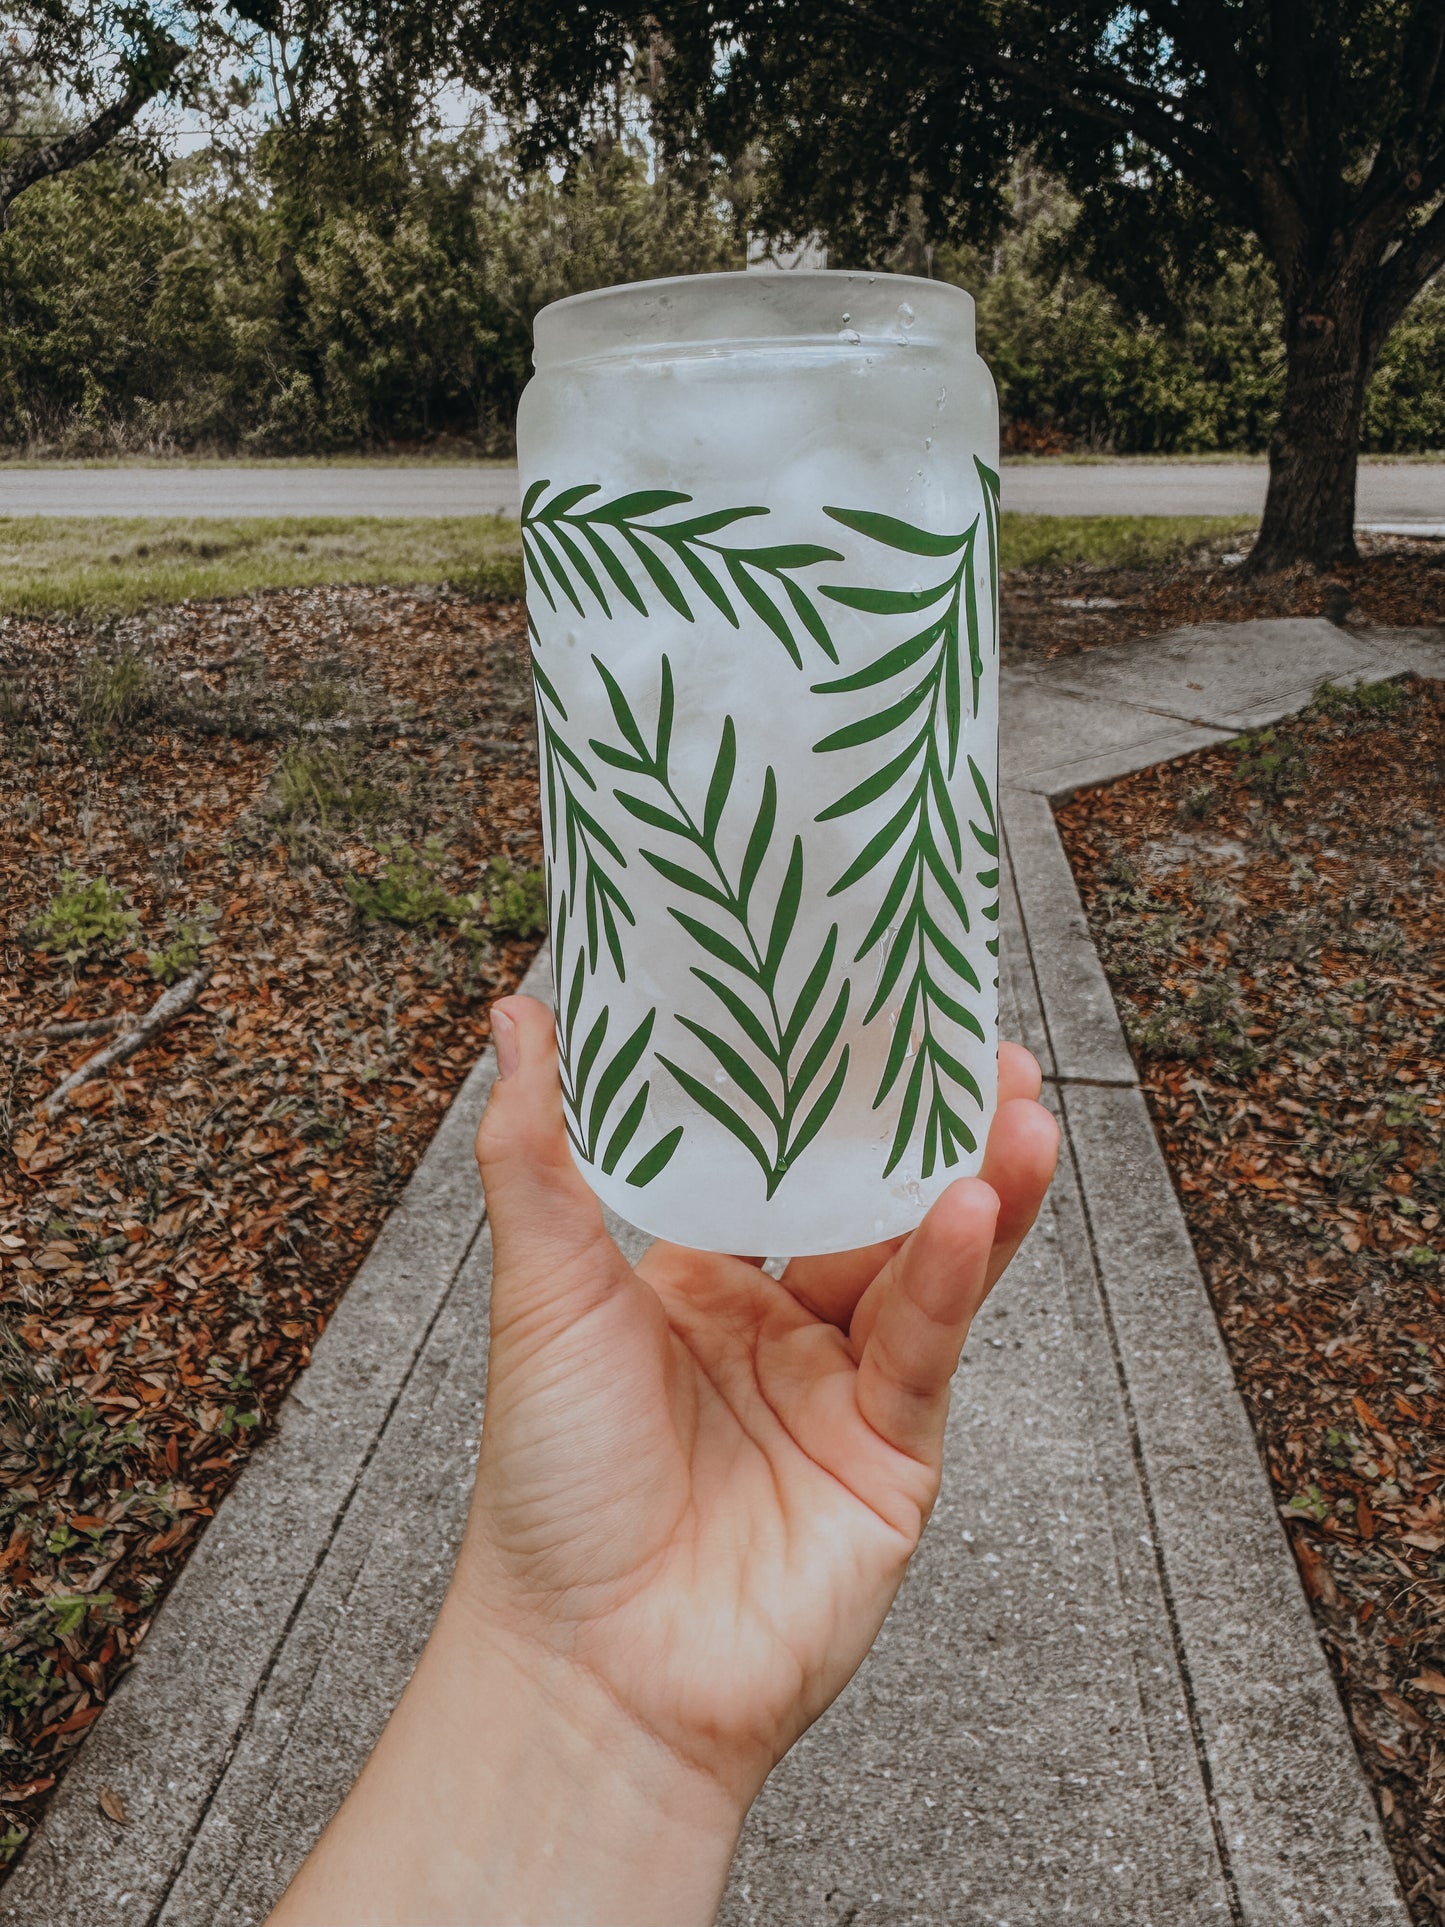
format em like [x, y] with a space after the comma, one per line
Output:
[987, 841]
[775, 1108]
[576, 841]
[570, 542]
[919, 960]
[593, 1080]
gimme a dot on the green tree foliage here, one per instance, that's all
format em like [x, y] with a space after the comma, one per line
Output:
[328, 294]
[77, 76]
[1318, 130]
[1080, 367]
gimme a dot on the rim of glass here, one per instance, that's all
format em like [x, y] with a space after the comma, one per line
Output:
[689, 314]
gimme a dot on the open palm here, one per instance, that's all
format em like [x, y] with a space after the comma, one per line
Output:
[698, 1482]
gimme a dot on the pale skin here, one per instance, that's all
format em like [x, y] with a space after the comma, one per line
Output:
[698, 1492]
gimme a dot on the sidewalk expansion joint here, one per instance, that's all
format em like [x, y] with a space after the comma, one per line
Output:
[1063, 1079]
[1136, 1445]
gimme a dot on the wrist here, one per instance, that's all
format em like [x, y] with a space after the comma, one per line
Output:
[509, 1788]
[614, 1796]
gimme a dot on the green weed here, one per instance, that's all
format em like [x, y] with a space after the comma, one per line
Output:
[516, 901]
[1309, 1504]
[51, 1424]
[1198, 805]
[1365, 702]
[84, 1444]
[115, 693]
[1273, 763]
[189, 936]
[409, 891]
[1208, 1027]
[24, 1685]
[70, 1609]
[320, 699]
[324, 788]
[87, 918]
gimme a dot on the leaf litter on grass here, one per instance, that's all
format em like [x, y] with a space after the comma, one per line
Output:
[1272, 921]
[1399, 582]
[172, 1244]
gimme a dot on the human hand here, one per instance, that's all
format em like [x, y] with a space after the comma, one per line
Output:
[698, 1491]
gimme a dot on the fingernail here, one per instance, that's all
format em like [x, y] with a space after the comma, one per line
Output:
[504, 1038]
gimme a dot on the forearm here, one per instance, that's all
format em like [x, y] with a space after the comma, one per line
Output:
[514, 1793]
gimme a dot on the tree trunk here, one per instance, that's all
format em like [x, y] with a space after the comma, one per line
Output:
[1309, 512]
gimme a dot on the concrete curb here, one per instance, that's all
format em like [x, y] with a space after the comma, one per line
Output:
[1296, 1827]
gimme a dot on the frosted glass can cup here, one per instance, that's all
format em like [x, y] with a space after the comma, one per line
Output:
[760, 524]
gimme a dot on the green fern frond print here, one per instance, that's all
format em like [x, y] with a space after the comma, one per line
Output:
[767, 1055]
[921, 684]
[593, 1082]
[987, 841]
[574, 834]
[582, 554]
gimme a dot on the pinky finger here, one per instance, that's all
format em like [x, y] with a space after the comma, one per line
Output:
[924, 1308]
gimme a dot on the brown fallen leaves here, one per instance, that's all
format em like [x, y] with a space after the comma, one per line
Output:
[171, 1244]
[1398, 582]
[1272, 918]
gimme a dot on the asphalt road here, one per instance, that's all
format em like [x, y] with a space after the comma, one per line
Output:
[1407, 495]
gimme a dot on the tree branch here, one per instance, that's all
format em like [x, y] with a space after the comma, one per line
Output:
[178, 998]
[1195, 151]
[59, 156]
[1388, 188]
[1245, 114]
[1420, 255]
[1422, 61]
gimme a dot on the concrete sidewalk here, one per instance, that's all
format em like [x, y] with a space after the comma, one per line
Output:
[1100, 1696]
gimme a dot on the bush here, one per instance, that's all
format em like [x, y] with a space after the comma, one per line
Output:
[318, 296]
[1077, 369]
[1405, 404]
[321, 295]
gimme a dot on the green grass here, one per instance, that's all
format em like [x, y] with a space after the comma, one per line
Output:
[1112, 541]
[107, 565]
[110, 565]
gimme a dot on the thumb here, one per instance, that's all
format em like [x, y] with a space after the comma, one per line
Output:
[548, 1235]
